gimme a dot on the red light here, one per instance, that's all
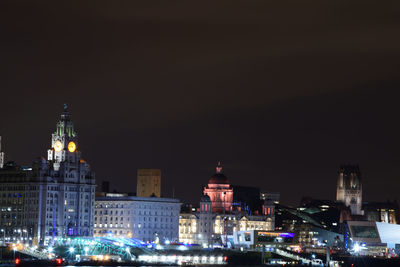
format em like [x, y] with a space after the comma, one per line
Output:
[17, 261]
[226, 258]
[58, 261]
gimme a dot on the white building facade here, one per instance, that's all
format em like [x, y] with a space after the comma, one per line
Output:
[145, 218]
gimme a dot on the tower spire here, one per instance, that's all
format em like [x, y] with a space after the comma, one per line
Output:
[219, 167]
[65, 116]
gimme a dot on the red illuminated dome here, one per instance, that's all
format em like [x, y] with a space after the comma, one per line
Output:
[219, 191]
[218, 177]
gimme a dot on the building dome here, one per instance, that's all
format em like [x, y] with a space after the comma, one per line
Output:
[218, 177]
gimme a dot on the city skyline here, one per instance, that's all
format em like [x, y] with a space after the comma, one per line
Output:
[281, 95]
[219, 166]
[206, 133]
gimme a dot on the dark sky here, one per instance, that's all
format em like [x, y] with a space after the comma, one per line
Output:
[282, 92]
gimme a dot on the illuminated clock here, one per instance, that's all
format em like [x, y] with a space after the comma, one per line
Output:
[58, 146]
[71, 147]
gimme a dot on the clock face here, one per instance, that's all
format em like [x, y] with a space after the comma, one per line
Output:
[58, 146]
[71, 147]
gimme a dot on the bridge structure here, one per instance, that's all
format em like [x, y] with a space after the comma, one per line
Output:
[123, 248]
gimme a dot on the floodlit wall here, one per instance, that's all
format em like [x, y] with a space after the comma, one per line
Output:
[389, 233]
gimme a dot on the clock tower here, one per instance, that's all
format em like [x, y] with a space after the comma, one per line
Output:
[64, 142]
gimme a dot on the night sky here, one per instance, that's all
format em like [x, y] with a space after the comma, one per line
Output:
[282, 92]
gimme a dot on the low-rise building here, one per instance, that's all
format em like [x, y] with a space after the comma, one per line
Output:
[257, 238]
[188, 227]
[145, 218]
[214, 229]
[386, 212]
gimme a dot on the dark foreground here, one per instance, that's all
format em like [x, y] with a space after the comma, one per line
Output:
[354, 262]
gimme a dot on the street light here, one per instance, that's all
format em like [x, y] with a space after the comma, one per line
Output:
[14, 248]
[71, 252]
[26, 234]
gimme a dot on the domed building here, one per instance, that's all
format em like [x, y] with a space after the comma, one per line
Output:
[220, 191]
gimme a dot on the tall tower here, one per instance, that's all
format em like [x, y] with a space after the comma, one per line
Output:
[220, 191]
[64, 141]
[1, 156]
[55, 197]
[148, 183]
[71, 202]
[349, 188]
[205, 225]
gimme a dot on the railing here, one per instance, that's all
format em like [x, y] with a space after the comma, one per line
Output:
[34, 253]
[292, 256]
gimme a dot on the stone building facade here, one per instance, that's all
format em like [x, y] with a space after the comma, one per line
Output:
[52, 198]
[145, 218]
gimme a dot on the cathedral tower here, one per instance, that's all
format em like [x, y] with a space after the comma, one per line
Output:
[349, 188]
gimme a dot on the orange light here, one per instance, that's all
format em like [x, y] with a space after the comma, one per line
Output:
[17, 261]
[71, 147]
[268, 233]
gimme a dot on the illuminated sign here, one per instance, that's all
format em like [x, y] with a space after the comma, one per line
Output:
[286, 235]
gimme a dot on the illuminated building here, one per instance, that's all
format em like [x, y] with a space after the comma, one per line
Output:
[188, 228]
[145, 218]
[219, 191]
[372, 238]
[2, 156]
[268, 207]
[257, 238]
[205, 222]
[227, 224]
[197, 227]
[112, 215]
[215, 221]
[349, 188]
[148, 183]
[54, 197]
[386, 212]
[19, 198]
[221, 226]
[313, 222]
[207, 228]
